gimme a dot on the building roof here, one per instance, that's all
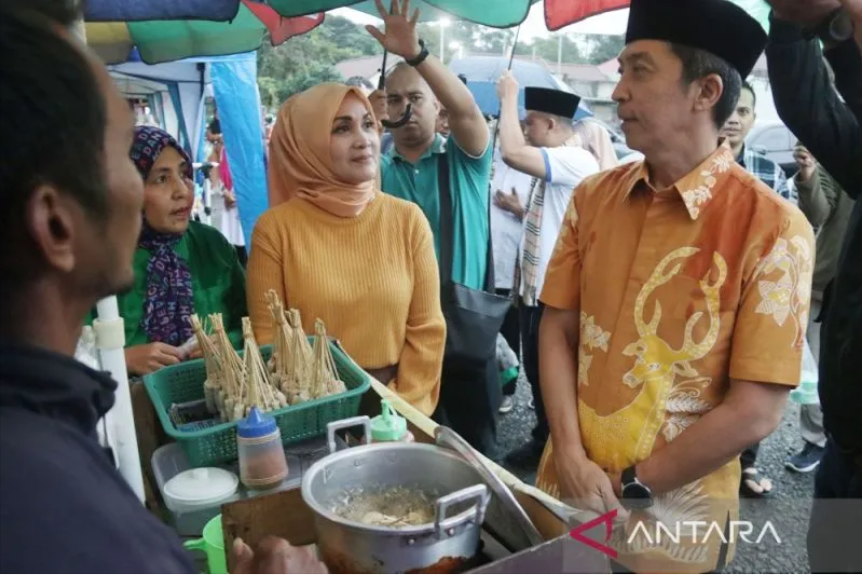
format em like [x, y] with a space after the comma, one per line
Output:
[584, 73]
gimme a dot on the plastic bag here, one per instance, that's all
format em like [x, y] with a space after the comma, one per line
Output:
[85, 350]
[806, 393]
[507, 361]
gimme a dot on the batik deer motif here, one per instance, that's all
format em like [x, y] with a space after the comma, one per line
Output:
[656, 360]
[657, 363]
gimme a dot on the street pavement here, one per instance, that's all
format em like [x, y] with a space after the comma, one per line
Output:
[787, 508]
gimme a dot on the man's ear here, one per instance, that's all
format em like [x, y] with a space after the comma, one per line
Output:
[710, 89]
[50, 221]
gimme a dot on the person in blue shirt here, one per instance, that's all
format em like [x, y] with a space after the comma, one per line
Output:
[410, 171]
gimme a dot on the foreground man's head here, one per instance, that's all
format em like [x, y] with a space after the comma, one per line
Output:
[71, 195]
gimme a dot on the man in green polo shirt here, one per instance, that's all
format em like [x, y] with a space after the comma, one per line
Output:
[410, 171]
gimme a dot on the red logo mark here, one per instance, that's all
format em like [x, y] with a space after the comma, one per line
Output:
[578, 533]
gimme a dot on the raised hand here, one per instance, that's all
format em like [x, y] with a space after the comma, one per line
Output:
[806, 163]
[399, 36]
[507, 86]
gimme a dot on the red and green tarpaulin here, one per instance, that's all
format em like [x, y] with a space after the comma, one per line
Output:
[164, 30]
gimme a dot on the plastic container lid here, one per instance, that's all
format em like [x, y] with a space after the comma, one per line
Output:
[257, 424]
[200, 487]
[388, 426]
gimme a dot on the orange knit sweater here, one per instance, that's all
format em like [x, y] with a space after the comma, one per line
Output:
[372, 279]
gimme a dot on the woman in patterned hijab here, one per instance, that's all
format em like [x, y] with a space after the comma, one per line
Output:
[181, 267]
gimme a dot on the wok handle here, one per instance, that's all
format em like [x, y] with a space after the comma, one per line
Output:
[478, 492]
[362, 421]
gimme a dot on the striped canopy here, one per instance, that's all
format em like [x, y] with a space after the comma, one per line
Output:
[167, 30]
[494, 13]
[164, 30]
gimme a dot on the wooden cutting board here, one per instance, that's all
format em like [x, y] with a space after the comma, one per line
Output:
[283, 514]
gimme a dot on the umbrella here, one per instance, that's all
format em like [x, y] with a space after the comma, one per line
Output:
[482, 73]
[494, 13]
[560, 13]
[167, 30]
[485, 94]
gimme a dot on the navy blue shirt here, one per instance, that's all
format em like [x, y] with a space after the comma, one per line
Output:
[63, 506]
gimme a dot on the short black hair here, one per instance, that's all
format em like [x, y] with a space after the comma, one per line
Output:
[53, 115]
[697, 63]
[746, 85]
[215, 126]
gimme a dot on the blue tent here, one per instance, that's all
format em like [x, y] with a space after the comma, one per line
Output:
[482, 73]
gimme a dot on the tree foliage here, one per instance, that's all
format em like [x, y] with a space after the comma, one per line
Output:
[306, 60]
[549, 49]
[604, 47]
[309, 59]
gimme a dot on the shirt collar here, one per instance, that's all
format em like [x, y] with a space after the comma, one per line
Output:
[438, 146]
[696, 187]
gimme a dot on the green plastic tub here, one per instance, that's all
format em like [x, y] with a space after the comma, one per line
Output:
[216, 444]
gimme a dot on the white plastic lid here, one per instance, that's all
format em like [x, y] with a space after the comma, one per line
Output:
[201, 486]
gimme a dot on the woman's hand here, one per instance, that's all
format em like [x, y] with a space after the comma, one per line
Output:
[145, 359]
[399, 36]
[274, 555]
[229, 198]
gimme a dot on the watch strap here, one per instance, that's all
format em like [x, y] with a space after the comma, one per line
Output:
[628, 476]
[423, 53]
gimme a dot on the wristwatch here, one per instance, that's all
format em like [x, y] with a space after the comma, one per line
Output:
[835, 29]
[423, 53]
[635, 494]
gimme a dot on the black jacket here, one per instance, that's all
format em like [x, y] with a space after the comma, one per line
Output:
[832, 131]
[63, 506]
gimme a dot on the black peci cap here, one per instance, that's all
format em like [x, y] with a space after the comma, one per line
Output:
[551, 101]
[716, 26]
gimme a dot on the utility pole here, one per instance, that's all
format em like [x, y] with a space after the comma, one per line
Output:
[559, 55]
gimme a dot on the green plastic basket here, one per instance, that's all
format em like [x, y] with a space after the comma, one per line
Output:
[217, 444]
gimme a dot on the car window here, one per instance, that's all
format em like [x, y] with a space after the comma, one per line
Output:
[772, 139]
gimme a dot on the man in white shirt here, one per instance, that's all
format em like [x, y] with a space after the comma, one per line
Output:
[547, 150]
[510, 190]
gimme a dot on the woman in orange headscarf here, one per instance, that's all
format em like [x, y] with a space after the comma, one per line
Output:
[336, 248]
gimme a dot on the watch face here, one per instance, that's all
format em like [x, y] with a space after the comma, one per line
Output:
[637, 496]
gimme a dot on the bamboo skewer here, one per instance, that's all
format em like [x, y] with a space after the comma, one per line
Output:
[299, 370]
[260, 392]
[213, 383]
[324, 378]
[233, 373]
[282, 346]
